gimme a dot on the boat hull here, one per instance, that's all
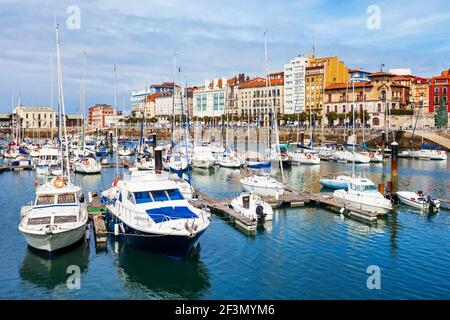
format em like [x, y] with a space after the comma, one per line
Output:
[169, 245]
[55, 241]
[262, 191]
[351, 202]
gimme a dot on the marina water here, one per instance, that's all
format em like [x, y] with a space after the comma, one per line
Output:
[306, 253]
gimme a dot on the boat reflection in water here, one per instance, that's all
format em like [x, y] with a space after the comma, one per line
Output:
[50, 271]
[160, 277]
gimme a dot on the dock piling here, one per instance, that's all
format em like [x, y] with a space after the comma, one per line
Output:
[394, 167]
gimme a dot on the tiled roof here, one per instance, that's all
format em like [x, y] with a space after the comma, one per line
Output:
[381, 74]
[335, 86]
[260, 82]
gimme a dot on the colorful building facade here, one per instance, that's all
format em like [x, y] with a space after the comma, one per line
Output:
[320, 73]
[439, 88]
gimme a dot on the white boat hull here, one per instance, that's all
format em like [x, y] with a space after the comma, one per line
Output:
[204, 164]
[354, 201]
[54, 241]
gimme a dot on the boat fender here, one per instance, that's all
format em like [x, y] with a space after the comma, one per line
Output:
[308, 156]
[116, 179]
[116, 229]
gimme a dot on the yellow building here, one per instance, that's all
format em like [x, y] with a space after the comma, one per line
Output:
[320, 73]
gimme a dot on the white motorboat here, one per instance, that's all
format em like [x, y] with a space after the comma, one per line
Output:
[253, 207]
[304, 157]
[151, 212]
[176, 163]
[418, 200]
[422, 154]
[229, 161]
[87, 165]
[324, 152]
[429, 154]
[56, 219]
[125, 151]
[48, 160]
[347, 156]
[202, 156]
[262, 185]
[144, 164]
[362, 194]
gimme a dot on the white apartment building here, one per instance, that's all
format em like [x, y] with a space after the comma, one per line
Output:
[209, 101]
[294, 85]
[36, 117]
[164, 104]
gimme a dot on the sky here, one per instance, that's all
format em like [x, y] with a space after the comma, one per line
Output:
[211, 39]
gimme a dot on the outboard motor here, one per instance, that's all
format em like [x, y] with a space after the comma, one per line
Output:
[431, 204]
[260, 213]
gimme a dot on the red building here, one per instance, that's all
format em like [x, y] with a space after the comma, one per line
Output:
[97, 114]
[439, 87]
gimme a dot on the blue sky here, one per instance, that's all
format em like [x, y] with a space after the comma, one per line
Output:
[212, 39]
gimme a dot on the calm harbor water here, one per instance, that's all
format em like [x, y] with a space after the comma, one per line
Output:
[306, 253]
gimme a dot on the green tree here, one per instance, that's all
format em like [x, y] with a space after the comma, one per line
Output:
[331, 117]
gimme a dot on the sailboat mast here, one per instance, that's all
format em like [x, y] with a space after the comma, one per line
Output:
[277, 138]
[83, 101]
[173, 101]
[363, 115]
[353, 129]
[51, 92]
[115, 121]
[63, 109]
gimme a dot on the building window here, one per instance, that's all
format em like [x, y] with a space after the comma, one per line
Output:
[444, 90]
[436, 90]
[379, 107]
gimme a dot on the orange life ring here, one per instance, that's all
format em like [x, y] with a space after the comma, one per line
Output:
[59, 183]
[308, 156]
[439, 151]
[86, 162]
[116, 179]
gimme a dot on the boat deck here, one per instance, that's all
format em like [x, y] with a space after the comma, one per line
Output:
[95, 211]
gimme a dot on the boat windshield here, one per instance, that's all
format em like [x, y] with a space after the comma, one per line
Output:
[175, 194]
[159, 195]
[363, 188]
[143, 197]
[45, 200]
[66, 198]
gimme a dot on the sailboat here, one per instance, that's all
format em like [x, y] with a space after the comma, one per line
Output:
[85, 162]
[57, 218]
[229, 158]
[261, 183]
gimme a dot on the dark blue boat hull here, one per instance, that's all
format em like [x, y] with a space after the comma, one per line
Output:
[169, 245]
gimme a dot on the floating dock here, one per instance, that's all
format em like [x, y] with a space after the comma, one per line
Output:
[95, 211]
[221, 206]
